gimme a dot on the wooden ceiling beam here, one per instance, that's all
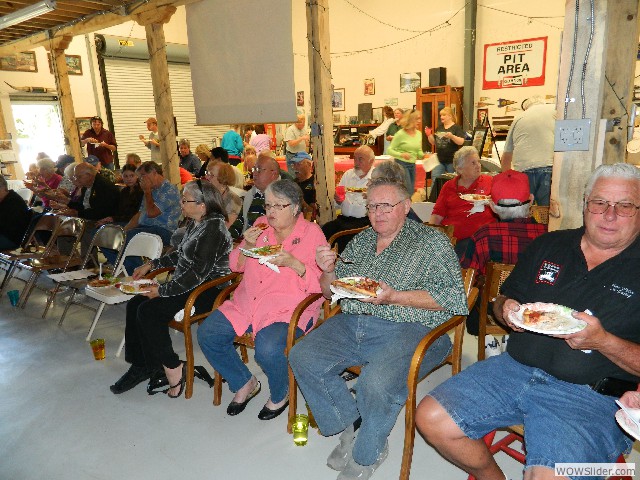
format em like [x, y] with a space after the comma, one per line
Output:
[97, 22]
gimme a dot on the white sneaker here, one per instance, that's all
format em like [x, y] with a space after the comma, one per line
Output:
[341, 455]
[505, 339]
[491, 346]
[354, 471]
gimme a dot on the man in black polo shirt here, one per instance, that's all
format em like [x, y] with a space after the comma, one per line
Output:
[561, 387]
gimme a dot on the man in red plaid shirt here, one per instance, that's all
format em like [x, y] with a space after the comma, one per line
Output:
[503, 241]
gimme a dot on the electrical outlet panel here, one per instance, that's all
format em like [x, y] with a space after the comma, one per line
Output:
[572, 135]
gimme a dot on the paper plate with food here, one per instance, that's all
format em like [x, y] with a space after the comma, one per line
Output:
[135, 287]
[267, 251]
[101, 282]
[474, 197]
[628, 424]
[546, 318]
[355, 287]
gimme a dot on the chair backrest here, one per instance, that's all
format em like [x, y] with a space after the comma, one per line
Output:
[141, 245]
[446, 229]
[110, 237]
[35, 237]
[349, 234]
[540, 213]
[26, 194]
[497, 273]
[71, 229]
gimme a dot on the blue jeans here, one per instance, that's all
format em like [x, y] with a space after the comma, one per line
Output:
[384, 348]
[563, 422]
[215, 336]
[410, 178]
[440, 169]
[540, 184]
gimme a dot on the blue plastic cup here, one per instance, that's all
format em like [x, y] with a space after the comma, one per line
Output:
[14, 296]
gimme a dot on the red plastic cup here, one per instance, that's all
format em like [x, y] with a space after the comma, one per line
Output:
[341, 193]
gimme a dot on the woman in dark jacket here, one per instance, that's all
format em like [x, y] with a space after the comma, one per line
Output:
[203, 255]
[129, 199]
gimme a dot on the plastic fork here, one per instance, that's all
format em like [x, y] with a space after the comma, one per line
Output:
[343, 260]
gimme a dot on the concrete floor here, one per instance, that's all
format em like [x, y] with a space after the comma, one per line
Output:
[60, 421]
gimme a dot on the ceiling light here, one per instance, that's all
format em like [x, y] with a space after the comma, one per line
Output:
[27, 13]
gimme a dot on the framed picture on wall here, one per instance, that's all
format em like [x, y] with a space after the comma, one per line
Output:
[337, 99]
[410, 82]
[370, 86]
[300, 99]
[482, 117]
[84, 124]
[479, 138]
[74, 64]
[377, 115]
[19, 62]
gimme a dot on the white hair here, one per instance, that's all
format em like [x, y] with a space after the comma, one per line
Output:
[617, 170]
[511, 209]
[460, 157]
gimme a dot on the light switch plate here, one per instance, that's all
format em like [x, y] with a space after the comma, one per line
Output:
[572, 135]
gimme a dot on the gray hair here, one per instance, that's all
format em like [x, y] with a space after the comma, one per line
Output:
[507, 212]
[460, 157]
[389, 169]
[184, 141]
[204, 192]
[396, 183]
[68, 170]
[149, 166]
[47, 165]
[287, 189]
[617, 170]
[533, 100]
[3, 183]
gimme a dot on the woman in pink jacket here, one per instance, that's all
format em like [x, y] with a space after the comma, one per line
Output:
[265, 299]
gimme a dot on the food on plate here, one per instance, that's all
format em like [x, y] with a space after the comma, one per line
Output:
[261, 226]
[104, 282]
[267, 250]
[356, 189]
[137, 286]
[541, 318]
[474, 197]
[359, 285]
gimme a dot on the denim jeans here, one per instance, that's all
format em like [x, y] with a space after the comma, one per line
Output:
[540, 184]
[410, 178]
[563, 422]
[440, 169]
[384, 348]
[215, 336]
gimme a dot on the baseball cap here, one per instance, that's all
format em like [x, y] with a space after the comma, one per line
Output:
[96, 117]
[92, 160]
[63, 161]
[300, 156]
[152, 120]
[510, 185]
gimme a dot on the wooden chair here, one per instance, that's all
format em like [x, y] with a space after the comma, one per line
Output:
[246, 341]
[497, 273]
[515, 433]
[340, 239]
[540, 213]
[455, 324]
[446, 229]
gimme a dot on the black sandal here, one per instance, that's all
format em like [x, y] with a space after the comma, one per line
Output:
[181, 383]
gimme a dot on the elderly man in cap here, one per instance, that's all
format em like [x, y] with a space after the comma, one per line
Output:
[303, 171]
[94, 161]
[100, 142]
[505, 240]
[152, 142]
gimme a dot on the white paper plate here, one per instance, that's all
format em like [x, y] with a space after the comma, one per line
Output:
[136, 286]
[250, 252]
[564, 324]
[470, 198]
[348, 294]
[627, 424]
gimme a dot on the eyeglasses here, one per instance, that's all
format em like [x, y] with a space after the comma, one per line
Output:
[184, 200]
[381, 207]
[622, 209]
[275, 206]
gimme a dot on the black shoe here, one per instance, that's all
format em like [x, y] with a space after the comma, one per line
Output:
[235, 408]
[158, 382]
[133, 377]
[181, 383]
[268, 414]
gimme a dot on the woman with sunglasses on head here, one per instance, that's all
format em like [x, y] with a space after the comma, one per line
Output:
[222, 176]
[265, 300]
[203, 255]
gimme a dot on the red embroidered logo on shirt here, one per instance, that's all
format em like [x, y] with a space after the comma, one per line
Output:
[548, 273]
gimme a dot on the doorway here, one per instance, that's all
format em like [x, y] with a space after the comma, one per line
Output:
[39, 130]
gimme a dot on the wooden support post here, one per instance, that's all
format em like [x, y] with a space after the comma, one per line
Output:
[153, 21]
[4, 134]
[320, 104]
[57, 48]
[614, 27]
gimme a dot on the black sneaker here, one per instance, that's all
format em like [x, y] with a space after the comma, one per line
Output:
[133, 377]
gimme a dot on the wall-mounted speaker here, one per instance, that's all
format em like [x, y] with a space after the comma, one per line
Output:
[437, 76]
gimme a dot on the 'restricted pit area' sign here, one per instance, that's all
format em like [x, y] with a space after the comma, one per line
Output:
[519, 63]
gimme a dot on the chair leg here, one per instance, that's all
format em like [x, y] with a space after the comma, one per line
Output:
[26, 291]
[95, 321]
[67, 305]
[217, 388]
[120, 347]
[188, 347]
[409, 438]
[50, 297]
[293, 400]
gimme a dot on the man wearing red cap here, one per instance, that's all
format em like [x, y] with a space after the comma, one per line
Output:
[505, 240]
